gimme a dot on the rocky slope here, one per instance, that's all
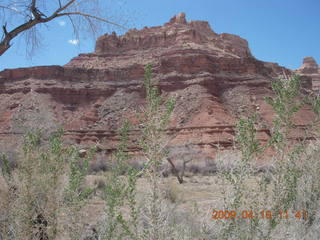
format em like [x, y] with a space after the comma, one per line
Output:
[213, 77]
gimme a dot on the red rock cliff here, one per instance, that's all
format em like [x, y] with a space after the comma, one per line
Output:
[213, 77]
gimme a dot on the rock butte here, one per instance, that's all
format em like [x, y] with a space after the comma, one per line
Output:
[213, 77]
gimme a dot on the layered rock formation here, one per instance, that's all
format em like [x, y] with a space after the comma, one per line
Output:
[311, 69]
[213, 77]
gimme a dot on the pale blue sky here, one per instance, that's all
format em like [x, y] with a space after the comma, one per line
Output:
[282, 31]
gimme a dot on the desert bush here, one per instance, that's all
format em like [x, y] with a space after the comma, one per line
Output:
[100, 184]
[173, 193]
[98, 165]
[9, 158]
[288, 189]
[46, 184]
[184, 155]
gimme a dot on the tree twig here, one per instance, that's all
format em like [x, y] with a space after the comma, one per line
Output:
[39, 17]
[91, 16]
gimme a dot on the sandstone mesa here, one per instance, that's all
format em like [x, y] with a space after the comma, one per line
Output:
[214, 78]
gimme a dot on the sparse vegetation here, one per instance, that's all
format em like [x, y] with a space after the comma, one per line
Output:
[46, 191]
[287, 187]
[46, 184]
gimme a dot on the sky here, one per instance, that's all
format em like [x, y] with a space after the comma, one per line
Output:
[280, 31]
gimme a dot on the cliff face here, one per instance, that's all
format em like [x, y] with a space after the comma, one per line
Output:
[213, 77]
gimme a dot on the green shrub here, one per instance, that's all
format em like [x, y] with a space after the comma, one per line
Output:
[290, 186]
[46, 184]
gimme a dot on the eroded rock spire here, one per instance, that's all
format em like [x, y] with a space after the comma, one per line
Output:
[179, 18]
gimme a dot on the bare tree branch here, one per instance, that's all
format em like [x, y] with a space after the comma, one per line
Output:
[12, 9]
[91, 16]
[73, 27]
[35, 12]
[175, 171]
[33, 4]
[64, 7]
[4, 28]
[8, 36]
[38, 17]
